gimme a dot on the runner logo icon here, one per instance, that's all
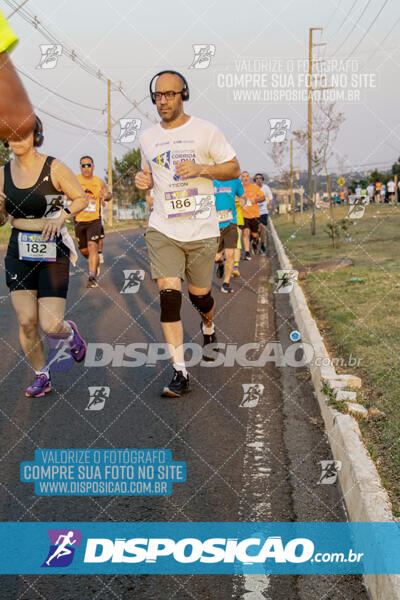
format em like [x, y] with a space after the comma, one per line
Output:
[133, 280]
[50, 54]
[128, 130]
[252, 393]
[278, 130]
[98, 396]
[330, 469]
[62, 547]
[285, 279]
[203, 54]
[60, 358]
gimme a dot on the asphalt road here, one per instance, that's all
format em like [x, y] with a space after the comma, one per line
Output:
[260, 463]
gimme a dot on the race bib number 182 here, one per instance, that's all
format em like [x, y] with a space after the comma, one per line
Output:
[32, 246]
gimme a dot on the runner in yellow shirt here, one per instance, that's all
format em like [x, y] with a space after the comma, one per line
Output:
[238, 249]
[17, 118]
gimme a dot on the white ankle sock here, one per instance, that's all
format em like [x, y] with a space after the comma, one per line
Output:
[208, 330]
[43, 371]
[71, 335]
[180, 367]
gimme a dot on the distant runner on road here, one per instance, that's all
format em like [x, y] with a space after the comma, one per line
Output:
[263, 206]
[88, 223]
[226, 193]
[251, 214]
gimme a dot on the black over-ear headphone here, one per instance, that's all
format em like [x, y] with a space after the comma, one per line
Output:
[260, 174]
[38, 137]
[185, 91]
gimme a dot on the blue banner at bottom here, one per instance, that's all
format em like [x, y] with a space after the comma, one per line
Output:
[199, 548]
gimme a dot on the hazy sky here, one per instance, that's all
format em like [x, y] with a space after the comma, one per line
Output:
[265, 40]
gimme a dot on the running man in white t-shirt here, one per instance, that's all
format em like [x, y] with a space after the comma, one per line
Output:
[180, 158]
[391, 188]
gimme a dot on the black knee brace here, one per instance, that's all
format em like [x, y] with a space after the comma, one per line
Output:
[171, 301]
[203, 303]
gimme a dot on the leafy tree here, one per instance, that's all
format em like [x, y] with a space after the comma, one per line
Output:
[396, 168]
[334, 229]
[326, 125]
[376, 176]
[5, 154]
[123, 175]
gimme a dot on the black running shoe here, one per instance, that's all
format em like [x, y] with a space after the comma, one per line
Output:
[92, 283]
[220, 270]
[263, 249]
[247, 256]
[208, 355]
[178, 386]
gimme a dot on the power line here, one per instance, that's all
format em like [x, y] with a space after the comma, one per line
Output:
[344, 20]
[379, 46]
[74, 56]
[95, 131]
[102, 110]
[352, 29]
[16, 9]
[367, 31]
[335, 10]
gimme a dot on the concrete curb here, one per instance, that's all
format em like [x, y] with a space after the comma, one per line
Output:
[365, 497]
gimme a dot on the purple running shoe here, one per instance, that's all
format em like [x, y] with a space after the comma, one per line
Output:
[77, 344]
[39, 387]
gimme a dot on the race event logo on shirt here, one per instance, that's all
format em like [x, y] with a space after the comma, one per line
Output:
[163, 160]
[62, 547]
[54, 203]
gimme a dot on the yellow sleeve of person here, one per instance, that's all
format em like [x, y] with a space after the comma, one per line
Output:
[8, 39]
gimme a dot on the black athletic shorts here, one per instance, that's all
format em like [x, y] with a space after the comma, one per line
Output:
[228, 237]
[49, 279]
[102, 234]
[88, 231]
[264, 219]
[251, 224]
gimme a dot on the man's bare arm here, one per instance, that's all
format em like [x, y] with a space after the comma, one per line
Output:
[17, 118]
[106, 194]
[224, 171]
[242, 200]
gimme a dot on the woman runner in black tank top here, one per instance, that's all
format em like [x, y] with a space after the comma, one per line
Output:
[32, 192]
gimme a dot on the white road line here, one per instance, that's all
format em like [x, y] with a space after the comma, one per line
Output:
[257, 442]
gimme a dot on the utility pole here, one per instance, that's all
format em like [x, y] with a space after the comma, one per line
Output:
[16, 9]
[292, 203]
[110, 203]
[311, 45]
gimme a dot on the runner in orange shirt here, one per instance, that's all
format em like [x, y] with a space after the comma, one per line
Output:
[378, 186]
[251, 213]
[88, 225]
